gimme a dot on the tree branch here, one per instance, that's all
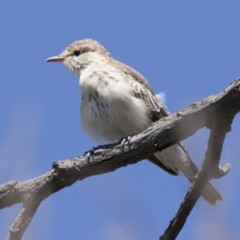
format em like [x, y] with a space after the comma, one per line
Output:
[210, 169]
[103, 159]
[23, 219]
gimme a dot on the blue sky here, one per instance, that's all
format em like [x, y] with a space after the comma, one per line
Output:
[187, 49]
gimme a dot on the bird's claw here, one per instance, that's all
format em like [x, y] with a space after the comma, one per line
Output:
[125, 140]
[90, 153]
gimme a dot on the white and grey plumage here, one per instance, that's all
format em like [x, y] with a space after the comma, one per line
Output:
[117, 101]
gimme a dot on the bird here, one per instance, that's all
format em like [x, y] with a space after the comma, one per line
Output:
[117, 101]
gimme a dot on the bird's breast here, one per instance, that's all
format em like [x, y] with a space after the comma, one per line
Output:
[109, 111]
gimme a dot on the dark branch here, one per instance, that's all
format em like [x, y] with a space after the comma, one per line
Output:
[161, 135]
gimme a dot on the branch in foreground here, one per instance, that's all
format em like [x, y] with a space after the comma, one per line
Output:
[161, 135]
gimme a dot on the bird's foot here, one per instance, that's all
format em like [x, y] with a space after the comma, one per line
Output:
[90, 154]
[125, 140]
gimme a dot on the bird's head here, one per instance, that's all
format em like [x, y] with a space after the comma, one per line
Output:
[81, 54]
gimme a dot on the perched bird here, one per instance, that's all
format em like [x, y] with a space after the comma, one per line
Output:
[117, 101]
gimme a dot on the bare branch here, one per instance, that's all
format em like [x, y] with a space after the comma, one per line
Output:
[209, 170]
[103, 159]
[23, 219]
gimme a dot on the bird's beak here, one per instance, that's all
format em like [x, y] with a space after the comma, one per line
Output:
[55, 59]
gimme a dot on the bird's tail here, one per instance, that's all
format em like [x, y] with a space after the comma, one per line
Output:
[176, 158]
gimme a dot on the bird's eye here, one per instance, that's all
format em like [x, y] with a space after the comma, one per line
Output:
[76, 53]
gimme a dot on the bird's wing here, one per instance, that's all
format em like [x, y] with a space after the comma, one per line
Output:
[142, 90]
